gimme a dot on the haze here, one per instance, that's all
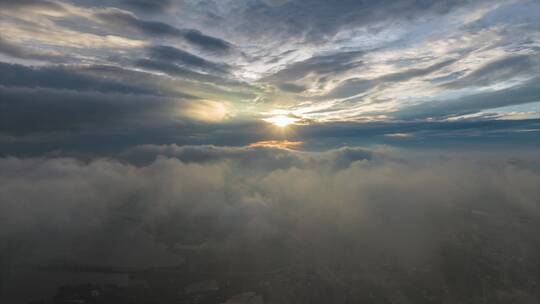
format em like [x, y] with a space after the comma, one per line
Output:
[269, 151]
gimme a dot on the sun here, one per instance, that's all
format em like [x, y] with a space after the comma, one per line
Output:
[281, 120]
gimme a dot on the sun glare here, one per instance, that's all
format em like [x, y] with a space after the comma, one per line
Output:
[281, 120]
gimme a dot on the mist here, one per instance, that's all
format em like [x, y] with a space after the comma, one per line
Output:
[350, 225]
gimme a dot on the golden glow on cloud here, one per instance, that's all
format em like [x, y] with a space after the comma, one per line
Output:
[207, 111]
[283, 144]
[399, 135]
[282, 120]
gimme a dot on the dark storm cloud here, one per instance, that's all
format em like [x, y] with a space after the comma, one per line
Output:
[498, 71]
[173, 55]
[520, 94]
[354, 86]
[124, 20]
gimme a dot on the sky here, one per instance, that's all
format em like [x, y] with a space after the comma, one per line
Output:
[392, 145]
[88, 75]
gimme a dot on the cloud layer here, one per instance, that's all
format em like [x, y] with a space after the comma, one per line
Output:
[377, 215]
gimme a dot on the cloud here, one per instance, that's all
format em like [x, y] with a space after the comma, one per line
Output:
[33, 4]
[355, 86]
[16, 51]
[181, 72]
[128, 21]
[266, 155]
[109, 123]
[291, 87]
[319, 65]
[321, 62]
[63, 78]
[497, 71]
[368, 129]
[284, 144]
[26, 110]
[396, 219]
[148, 5]
[206, 42]
[519, 94]
[172, 54]
[316, 20]
[184, 65]
[399, 135]
[151, 146]
[207, 111]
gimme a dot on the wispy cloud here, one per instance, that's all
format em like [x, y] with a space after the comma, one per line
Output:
[324, 63]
